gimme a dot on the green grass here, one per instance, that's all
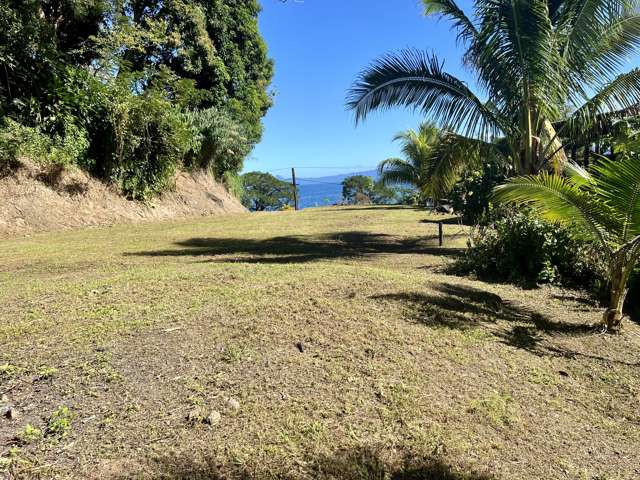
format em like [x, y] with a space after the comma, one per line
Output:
[407, 370]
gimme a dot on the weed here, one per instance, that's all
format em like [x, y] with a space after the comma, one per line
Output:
[234, 353]
[540, 376]
[45, 372]
[29, 434]
[8, 370]
[59, 423]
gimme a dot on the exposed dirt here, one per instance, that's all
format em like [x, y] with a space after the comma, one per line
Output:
[33, 200]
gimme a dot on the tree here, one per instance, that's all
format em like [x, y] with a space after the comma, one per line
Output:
[536, 62]
[39, 39]
[416, 168]
[604, 205]
[264, 192]
[358, 189]
[213, 46]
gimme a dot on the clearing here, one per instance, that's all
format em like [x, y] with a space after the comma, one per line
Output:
[333, 343]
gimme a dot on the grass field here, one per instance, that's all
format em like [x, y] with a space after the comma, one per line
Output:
[328, 343]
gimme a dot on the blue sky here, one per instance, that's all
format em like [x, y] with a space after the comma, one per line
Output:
[319, 46]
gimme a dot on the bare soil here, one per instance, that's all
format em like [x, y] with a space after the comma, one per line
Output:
[36, 200]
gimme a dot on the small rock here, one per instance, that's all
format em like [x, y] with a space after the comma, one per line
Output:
[300, 346]
[233, 404]
[11, 413]
[4, 399]
[195, 416]
[213, 418]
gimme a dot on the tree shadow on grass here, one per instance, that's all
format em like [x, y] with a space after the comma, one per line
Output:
[461, 307]
[355, 464]
[302, 248]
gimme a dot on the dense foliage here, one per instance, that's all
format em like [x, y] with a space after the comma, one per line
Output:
[264, 192]
[519, 247]
[362, 189]
[471, 195]
[603, 205]
[138, 88]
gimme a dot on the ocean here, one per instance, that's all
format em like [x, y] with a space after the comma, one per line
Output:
[324, 191]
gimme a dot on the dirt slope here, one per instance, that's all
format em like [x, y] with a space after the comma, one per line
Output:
[32, 201]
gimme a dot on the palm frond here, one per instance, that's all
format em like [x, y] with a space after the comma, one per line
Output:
[396, 171]
[595, 38]
[516, 54]
[619, 186]
[578, 175]
[450, 158]
[620, 95]
[415, 79]
[465, 28]
[557, 199]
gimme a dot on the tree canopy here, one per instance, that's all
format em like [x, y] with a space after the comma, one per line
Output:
[123, 71]
[264, 192]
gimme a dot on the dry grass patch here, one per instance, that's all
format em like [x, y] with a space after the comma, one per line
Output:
[328, 343]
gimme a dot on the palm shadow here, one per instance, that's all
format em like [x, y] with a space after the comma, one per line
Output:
[347, 464]
[461, 307]
[302, 248]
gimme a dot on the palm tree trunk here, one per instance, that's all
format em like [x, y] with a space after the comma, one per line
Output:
[558, 156]
[613, 316]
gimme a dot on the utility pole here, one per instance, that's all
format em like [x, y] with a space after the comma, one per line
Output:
[295, 188]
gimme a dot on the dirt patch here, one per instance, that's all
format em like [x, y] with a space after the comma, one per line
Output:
[36, 200]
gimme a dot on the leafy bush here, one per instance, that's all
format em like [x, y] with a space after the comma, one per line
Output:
[519, 247]
[471, 195]
[219, 144]
[143, 141]
[67, 148]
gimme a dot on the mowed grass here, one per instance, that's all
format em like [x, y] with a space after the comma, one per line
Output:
[347, 349]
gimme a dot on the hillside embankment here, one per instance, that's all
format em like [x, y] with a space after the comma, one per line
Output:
[34, 200]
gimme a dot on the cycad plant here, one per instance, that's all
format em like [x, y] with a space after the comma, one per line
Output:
[603, 204]
[537, 64]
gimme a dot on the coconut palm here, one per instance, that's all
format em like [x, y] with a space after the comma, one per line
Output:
[536, 62]
[604, 205]
[414, 169]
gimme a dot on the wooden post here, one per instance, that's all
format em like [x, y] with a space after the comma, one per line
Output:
[295, 188]
[440, 235]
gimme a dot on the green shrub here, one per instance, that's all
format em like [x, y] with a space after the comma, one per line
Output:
[518, 247]
[234, 184]
[472, 194]
[59, 423]
[66, 148]
[218, 143]
[142, 143]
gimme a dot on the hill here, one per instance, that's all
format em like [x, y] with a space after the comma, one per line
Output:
[32, 200]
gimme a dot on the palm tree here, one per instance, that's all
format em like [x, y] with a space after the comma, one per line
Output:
[414, 169]
[604, 206]
[536, 62]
